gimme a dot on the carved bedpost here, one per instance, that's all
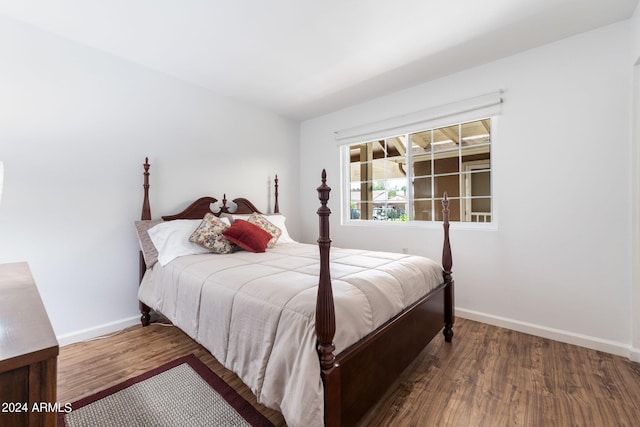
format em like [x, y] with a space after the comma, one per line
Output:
[276, 208]
[447, 263]
[145, 317]
[325, 311]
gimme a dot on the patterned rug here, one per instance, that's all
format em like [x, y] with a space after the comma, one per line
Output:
[184, 392]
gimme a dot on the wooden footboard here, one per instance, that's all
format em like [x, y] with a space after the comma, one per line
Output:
[365, 371]
[356, 379]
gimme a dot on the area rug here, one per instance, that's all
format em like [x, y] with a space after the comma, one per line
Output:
[184, 392]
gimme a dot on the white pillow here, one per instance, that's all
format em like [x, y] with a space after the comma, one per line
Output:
[243, 217]
[278, 220]
[171, 238]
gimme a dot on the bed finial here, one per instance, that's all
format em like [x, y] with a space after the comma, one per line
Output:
[276, 208]
[146, 207]
[224, 208]
[447, 263]
[325, 311]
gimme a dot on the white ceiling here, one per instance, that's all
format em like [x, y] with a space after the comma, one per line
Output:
[304, 58]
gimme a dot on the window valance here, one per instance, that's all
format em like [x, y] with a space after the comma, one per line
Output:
[488, 105]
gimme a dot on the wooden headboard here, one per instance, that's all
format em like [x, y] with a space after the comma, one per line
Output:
[202, 206]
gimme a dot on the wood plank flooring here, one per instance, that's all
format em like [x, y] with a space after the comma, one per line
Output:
[488, 376]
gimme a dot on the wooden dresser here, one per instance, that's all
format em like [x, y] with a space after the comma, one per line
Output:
[28, 352]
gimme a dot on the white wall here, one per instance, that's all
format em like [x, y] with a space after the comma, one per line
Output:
[75, 127]
[559, 264]
[635, 189]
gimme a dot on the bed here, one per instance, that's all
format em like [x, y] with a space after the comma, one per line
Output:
[318, 333]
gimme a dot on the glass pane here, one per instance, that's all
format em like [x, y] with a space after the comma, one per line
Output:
[387, 169]
[354, 172]
[447, 165]
[379, 212]
[474, 133]
[481, 210]
[378, 169]
[447, 183]
[476, 154]
[422, 166]
[354, 153]
[367, 151]
[446, 138]
[361, 171]
[379, 190]
[378, 148]
[397, 212]
[396, 146]
[454, 210]
[422, 210]
[360, 200]
[356, 186]
[396, 189]
[476, 210]
[390, 201]
[359, 153]
[421, 143]
[365, 209]
[422, 188]
[354, 212]
[360, 193]
[389, 212]
[481, 184]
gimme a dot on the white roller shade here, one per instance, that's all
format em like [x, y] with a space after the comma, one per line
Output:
[479, 107]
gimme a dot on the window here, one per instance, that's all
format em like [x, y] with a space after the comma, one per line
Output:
[404, 177]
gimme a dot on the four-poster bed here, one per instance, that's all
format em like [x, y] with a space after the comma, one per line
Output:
[354, 372]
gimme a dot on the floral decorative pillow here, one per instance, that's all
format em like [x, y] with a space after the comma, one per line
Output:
[267, 226]
[209, 235]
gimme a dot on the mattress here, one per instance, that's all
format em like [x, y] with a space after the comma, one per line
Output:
[255, 312]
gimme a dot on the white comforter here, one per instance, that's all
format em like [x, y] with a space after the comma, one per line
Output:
[256, 312]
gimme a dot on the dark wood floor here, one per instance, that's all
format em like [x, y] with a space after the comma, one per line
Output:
[488, 376]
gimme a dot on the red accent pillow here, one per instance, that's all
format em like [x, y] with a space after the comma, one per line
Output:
[248, 236]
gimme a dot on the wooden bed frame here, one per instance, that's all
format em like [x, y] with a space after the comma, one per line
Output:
[355, 379]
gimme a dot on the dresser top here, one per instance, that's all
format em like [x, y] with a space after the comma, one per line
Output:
[26, 336]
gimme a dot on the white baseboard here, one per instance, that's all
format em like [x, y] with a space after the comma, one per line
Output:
[593, 343]
[97, 331]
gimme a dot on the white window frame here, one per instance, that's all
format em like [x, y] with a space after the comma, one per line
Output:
[487, 106]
